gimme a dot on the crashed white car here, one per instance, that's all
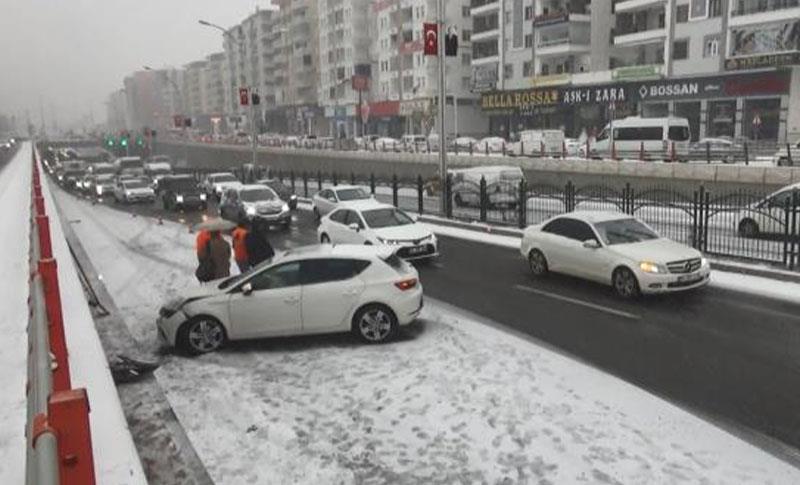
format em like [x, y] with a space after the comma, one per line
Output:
[310, 290]
[216, 184]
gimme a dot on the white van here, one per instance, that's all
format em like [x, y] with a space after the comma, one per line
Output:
[502, 186]
[655, 135]
[530, 143]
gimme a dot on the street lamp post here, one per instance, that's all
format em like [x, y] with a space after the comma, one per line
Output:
[240, 44]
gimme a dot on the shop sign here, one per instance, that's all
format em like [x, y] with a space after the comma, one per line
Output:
[756, 62]
[520, 99]
[408, 108]
[484, 77]
[594, 95]
[636, 72]
[551, 80]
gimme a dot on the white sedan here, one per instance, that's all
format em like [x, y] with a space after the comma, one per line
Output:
[134, 190]
[490, 144]
[326, 200]
[768, 215]
[374, 223]
[307, 290]
[614, 249]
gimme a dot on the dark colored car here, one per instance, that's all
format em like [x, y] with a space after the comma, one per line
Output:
[181, 192]
[284, 191]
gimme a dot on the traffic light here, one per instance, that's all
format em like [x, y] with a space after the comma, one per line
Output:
[139, 140]
[124, 142]
[110, 142]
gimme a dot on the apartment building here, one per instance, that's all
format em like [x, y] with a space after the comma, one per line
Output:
[726, 65]
[344, 48]
[404, 82]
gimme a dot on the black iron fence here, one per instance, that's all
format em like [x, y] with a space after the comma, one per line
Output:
[744, 224]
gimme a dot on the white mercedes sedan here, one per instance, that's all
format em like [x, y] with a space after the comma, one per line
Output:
[308, 290]
[373, 223]
[326, 200]
[614, 249]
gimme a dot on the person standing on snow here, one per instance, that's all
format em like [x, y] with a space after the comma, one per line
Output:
[240, 250]
[220, 254]
[201, 244]
[258, 247]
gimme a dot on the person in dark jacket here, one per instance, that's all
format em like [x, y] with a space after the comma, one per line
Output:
[258, 247]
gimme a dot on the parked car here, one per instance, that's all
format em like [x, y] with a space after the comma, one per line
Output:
[490, 144]
[573, 146]
[464, 144]
[657, 136]
[502, 186]
[387, 144]
[782, 157]
[134, 190]
[531, 142]
[768, 215]
[414, 143]
[614, 249]
[722, 149]
[320, 289]
[181, 192]
[284, 191]
[257, 204]
[371, 222]
[214, 184]
[365, 142]
[329, 199]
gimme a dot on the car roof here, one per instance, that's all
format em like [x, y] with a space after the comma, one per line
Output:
[365, 204]
[216, 174]
[253, 187]
[345, 187]
[594, 217]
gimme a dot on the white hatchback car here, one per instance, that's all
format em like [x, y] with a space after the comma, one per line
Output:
[768, 215]
[308, 290]
[326, 200]
[372, 222]
[614, 249]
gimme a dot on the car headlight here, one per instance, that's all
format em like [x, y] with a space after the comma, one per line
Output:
[179, 199]
[99, 190]
[203, 197]
[60, 178]
[651, 267]
[251, 211]
[293, 197]
[285, 208]
[703, 262]
[127, 194]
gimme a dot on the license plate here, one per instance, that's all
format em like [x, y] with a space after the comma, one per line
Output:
[416, 250]
[688, 277]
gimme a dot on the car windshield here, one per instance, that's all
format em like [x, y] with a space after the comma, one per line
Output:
[352, 194]
[182, 185]
[223, 178]
[159, 171]
[256, 195]
[135, 184]
[623, 231]
[389, 217]
[105, 178]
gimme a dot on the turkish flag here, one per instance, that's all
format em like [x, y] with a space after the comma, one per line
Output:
[244, 97]
[431, 36]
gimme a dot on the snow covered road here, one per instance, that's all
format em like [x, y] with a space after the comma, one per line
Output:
[455, 400]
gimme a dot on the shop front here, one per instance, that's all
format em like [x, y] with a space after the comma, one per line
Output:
[740, 105]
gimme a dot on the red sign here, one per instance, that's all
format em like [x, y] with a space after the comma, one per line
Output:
[359, 82]
[431, 36]
[244, 97]
[380, 109]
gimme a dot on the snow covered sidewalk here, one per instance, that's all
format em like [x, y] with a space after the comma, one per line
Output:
[455, 401]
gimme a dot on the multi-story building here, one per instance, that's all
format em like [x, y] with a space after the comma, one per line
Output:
[145, 100]
[194, 90]
[344, 44]
[404, 86]
[725, 65]
[116, 111]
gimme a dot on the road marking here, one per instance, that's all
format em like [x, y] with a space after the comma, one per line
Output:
[575, 301]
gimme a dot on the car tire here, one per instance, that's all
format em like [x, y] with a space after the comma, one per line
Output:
[537, 263]
[375, 323]
[748, 228]
[201, 334]
[625, 283]
[324, 239]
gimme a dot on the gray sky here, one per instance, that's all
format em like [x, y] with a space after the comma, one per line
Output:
[73, 53]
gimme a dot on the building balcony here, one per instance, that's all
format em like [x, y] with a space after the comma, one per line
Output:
[642, 37]
[763, 11]
[635, 5]
[486, 35]
[558, 18]
[483, 7]
[561, 46]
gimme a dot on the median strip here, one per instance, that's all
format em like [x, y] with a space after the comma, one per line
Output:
[575, 301]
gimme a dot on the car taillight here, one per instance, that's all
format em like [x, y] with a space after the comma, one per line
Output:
[406, 284]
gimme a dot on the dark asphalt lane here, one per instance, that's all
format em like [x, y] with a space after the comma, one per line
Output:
[732, 356]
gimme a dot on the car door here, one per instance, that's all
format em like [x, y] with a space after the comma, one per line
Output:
[322, 201]
[272, 307]
[552, 241]
[353, 236]
[772, 213]
[335, 226]
[330, 292]
[589, 263]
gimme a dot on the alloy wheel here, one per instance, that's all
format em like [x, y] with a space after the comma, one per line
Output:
[375, 325]
[537, 263]
[205, 335]
[625, 283]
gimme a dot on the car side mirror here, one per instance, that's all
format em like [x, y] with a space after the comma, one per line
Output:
[247, 289]
[354, 227]
[591, 244]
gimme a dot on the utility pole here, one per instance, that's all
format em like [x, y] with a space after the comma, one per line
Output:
[442, 104]
[253, 122]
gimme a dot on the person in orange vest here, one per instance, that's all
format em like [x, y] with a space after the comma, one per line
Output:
[201, 243]
[240, 247]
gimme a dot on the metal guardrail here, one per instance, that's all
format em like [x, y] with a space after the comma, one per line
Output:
[58, 438]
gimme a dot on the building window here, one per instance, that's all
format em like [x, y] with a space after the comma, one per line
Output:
[466, 35]
[528, 12]
[528, 40]
[715, 8]
[508, 71]
[711, 46]
[682, 14]
[527, 69]
[465, 11]
[680, 49]
[466, 59]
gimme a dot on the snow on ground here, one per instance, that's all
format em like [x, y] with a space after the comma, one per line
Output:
[454, 401]
[15, 196]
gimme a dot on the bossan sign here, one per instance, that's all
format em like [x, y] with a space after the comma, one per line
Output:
[681, 89]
